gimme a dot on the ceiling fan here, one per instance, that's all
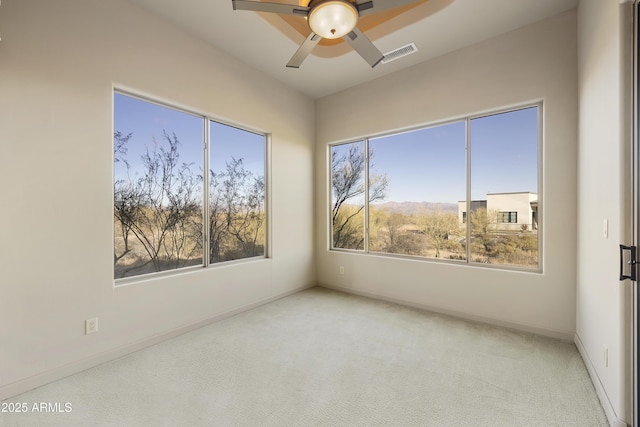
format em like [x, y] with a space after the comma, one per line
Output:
[329, 19]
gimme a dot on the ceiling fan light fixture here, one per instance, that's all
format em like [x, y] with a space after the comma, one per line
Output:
[333, 19]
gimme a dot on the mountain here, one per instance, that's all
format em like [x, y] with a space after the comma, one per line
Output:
[410, 208]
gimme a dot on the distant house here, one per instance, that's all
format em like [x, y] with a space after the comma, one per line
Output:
[512, 210]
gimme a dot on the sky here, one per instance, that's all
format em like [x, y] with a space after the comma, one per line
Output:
[425, 165]
[430, 164]
[504, 153]
[146, 121]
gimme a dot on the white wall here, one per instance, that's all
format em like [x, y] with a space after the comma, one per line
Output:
[513, 202]
[602, 195]
[58, 63]
[533, 63]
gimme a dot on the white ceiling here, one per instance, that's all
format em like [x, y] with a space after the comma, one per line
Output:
[448, 25]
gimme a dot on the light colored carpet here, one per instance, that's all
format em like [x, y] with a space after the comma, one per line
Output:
[324, 358]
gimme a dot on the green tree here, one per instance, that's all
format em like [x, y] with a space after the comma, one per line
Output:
[438, 227]
[483, 227]
[126, 201]
[158, 206]
[347, 179]
[236, 218]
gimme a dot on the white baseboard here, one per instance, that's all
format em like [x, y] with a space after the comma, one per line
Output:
[9, 390]
[560, 335]
[613, 419]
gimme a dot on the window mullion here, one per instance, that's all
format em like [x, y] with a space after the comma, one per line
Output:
[366, 195]
[206, 178]
[468, 196]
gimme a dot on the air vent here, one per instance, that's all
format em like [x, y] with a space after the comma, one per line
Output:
[399, 53]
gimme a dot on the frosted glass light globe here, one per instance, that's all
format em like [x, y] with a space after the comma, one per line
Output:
[333, 19]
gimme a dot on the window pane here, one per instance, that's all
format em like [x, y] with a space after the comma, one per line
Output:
[157, 188]
[237, 218]
[347, 189]
[416, 180]
[504, 188]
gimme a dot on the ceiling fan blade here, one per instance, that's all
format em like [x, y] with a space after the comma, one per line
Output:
[304, 50]
[260, 6]
[361, 44]
[368, 7]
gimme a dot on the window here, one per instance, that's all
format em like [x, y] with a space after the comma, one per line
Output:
[237, 194]
[508, 217]
[408, 214]
[439, 192]
[505, 145]
[347, 204]
[160, 190]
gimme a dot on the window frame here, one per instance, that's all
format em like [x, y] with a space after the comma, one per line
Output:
[539, 104]
[206, 119]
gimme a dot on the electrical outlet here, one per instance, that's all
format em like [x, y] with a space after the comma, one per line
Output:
[91, 326]
[341, 270]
